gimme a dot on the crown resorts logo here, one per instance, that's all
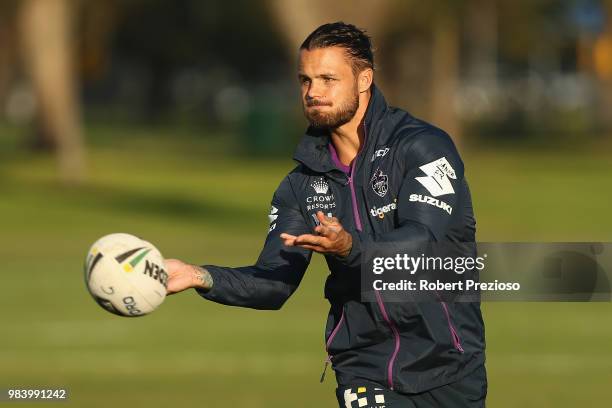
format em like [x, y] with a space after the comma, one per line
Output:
[324, 200]
[320, 186]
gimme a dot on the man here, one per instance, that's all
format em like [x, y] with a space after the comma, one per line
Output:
[361, 179]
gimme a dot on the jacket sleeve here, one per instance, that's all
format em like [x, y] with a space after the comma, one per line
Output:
[278, 270]
[430, 190]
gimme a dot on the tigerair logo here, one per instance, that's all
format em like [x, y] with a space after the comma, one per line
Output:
[382, 211]
[320, 186]
[419, 198]
[437, 182]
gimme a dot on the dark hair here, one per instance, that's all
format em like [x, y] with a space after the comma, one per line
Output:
[354, 40]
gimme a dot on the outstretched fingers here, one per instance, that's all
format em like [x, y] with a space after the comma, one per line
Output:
[327, 238]
[309, 239]
[325, 220]
[288, 239]
[326, 231]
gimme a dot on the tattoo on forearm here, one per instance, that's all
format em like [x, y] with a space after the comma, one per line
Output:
[203, 277]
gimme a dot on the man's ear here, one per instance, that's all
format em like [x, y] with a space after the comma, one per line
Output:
[365, 79]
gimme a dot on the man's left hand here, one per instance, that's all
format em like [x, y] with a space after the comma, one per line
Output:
[331, 237]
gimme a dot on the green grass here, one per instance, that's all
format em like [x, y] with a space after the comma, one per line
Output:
[199, 204]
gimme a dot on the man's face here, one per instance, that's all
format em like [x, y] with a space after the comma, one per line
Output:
[330, 94]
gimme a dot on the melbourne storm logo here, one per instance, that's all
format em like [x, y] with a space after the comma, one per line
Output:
[380, 183]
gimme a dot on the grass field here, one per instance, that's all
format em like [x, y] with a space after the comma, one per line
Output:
[196, 203]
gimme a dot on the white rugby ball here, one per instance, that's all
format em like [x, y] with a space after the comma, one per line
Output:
[125, 275]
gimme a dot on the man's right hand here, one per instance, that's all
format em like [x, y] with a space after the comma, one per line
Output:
[182, 276]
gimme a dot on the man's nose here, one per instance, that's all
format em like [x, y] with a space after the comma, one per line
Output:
[314, 91]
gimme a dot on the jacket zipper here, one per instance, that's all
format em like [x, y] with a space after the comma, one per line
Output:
[451, 328]
[395, 331]
[328, 343]
[354, 202]
[381, 305]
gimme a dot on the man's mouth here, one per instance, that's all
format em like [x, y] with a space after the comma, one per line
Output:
[318, 108]
[318, 104]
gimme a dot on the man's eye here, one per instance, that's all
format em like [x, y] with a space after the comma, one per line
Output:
[304, 81]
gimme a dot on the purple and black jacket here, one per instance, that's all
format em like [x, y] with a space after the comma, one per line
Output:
[384, 196]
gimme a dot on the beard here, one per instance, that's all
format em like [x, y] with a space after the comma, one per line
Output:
[335, 118]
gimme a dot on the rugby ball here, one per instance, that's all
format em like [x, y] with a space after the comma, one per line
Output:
[125, 275]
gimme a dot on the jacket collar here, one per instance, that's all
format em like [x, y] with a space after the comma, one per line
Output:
[312, 151]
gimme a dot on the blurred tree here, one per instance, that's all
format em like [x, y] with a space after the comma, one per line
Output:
[445, 65]
[424, 66]
[48, 51]
[96, 25]
[531, 34]
[298, 18]
[7, 47]
[603, 66]
[481, 35]
[224, 42]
